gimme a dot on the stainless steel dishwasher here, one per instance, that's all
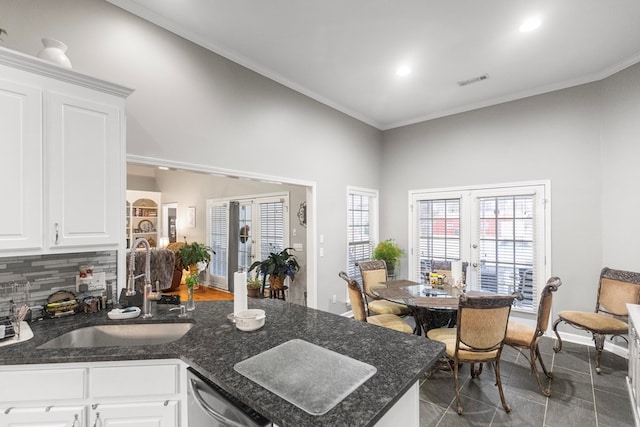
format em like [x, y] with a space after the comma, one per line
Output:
[210, 405]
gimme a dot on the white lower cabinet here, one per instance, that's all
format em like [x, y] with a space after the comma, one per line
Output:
[132, 393]
[45, 416]
[138, 414]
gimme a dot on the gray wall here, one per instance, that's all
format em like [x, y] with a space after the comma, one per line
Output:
[193, 106]
[620, 169]
[583, 139]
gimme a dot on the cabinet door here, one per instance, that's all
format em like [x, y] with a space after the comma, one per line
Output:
[138, 414]
[84, 192]
[20, 167]
[50, 416]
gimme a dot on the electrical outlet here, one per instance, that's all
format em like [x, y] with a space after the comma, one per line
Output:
[334, 299]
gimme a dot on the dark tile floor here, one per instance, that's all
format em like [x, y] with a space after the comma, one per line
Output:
[579, 397]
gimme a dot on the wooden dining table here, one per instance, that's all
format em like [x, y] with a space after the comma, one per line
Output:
[431, 307]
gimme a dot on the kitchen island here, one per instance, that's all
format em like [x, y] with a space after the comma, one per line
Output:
[213, 347]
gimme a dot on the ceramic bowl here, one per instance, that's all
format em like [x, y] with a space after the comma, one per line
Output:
[250, 320]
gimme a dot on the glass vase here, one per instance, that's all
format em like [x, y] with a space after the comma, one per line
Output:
[191, 304]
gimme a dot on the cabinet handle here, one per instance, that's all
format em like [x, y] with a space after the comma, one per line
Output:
[97, 422]
[75, 420]
[57, 233]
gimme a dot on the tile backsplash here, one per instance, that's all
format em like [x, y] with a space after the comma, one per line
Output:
[49, 273]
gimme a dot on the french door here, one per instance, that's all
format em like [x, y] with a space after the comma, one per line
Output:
[242, 231]
[501, 234]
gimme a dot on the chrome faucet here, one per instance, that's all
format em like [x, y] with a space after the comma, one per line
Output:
[147, 293]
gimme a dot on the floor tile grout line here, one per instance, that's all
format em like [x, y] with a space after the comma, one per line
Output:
[593, 392]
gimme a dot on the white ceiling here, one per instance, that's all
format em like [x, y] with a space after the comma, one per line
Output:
[344, 53]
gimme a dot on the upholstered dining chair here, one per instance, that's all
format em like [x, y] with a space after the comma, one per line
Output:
[388, 320]
[374, 272]
[616, 289]
[521, 336]
[477, 338]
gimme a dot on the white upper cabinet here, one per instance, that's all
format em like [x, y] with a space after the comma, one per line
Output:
[20, 167]
[83, 140]
[64, 165]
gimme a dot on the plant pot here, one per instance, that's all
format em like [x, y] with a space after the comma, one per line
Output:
[253, 292]
[276, 283]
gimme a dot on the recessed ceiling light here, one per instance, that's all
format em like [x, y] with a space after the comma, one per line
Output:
[403, 70]
[530, 24]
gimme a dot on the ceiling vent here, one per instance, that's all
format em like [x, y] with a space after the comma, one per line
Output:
[462, 83]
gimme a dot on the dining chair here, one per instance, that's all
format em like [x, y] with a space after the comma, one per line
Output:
[390, 321]
[521, 336]
[616, 289]
[375, 272]
[477, 338]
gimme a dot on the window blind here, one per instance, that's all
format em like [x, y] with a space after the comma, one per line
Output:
[360, 227]
[438, 236]
[219, 239]
[272, 237]
[507, 246]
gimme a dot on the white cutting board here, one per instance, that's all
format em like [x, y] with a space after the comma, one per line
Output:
[309, 376]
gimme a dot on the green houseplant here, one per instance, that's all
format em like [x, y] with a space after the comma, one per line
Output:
[195, 257]
[390, 253]
[277, 266]
[253, 288]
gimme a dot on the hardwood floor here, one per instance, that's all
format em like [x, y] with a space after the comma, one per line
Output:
[204, 293]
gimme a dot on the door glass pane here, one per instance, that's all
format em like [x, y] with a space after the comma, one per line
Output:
[219, 226]
[271, 228]
[438, 232]
[244, 245]
[506, 244]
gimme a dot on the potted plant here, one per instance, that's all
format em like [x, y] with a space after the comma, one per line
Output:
[194, 257]
[390, 253]
[253, 288]
[277, 266]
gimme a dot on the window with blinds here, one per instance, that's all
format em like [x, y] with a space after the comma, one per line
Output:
[218, 216]
[500, 234]
[260, 225]
[361, 227]
[272, 236]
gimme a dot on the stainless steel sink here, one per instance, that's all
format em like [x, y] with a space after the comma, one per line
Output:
[120, 335]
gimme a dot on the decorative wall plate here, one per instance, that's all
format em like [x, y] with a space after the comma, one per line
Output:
[146, 226]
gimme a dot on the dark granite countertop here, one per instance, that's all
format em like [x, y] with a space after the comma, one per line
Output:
[214, 346]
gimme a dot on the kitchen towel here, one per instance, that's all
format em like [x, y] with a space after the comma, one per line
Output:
[239, 291]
